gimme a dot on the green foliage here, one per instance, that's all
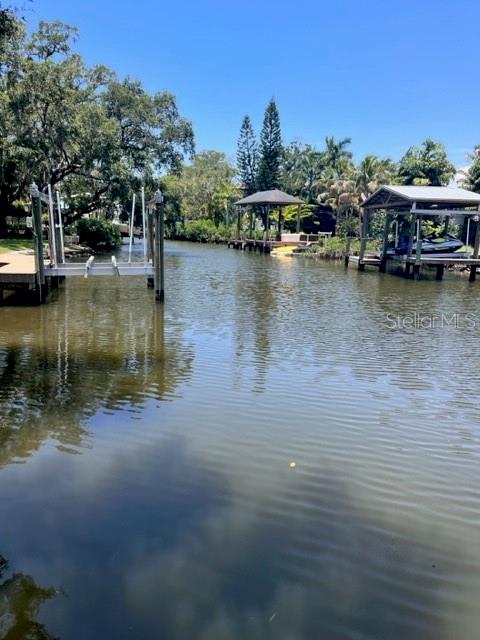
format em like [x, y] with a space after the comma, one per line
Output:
[335, 247]
[302, 168]
[269, 168]
[77, 127]
[247, 157]
[336, 154]
[207, 231]
[472, 174]
[372, 173]
[426, 165]
[14, 244]
[98, 234]
[204, 190]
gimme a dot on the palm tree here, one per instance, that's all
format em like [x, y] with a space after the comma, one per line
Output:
[336, 151]
[341, 194]
[372, 173]
[302, 168]
[471, 175]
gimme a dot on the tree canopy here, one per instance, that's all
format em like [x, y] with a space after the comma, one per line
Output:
[426, 165]
[269, 167]
[247, 156]
[472, 174]
[81, 128]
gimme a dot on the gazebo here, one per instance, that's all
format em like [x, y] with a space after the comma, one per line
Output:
[274, 199]
[419, 202]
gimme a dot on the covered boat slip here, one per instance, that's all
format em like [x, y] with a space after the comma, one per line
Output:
[418, 202]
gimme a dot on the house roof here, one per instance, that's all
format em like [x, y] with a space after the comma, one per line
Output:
[275, 197]
[397, 197]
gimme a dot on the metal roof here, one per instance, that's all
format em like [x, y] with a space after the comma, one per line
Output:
[396, 196]
[275, 197]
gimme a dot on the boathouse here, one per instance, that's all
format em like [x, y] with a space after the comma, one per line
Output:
[416, 203]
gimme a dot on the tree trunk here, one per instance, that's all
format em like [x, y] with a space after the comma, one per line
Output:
[3, 226]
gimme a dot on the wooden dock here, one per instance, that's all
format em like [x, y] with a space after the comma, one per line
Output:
[16, 268]
[412, 264]
[263, 246]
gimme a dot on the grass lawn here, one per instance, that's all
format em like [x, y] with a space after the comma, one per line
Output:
[14, 244]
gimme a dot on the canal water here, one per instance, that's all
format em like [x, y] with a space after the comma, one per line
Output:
[287, 450]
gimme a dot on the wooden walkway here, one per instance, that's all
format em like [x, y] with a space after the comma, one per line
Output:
[17, 267]
[412, 264]
[263, 246]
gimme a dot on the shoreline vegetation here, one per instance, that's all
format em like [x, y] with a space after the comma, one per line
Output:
[115, 137]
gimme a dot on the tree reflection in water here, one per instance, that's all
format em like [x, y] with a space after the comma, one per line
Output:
[20, 600]
[61, 363]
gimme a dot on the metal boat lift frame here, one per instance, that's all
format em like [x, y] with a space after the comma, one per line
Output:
[49, 274]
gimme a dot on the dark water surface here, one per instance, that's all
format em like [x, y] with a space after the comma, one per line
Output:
[145, 480]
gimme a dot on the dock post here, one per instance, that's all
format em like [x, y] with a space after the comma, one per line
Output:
[159, 275]
[440, 271]
[347, 250]
[38, 240]
[418, 248]
[476, 249]
[383, 259]
[238, 223]
[52, 239]
[61, 240]
[363, 240]
[150, 257]
[410, 241]
[279, 225]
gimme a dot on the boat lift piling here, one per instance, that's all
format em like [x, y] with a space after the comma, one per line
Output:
[40, 276]
[158, 226]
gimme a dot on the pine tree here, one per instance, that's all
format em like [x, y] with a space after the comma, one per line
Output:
[270, 149]
[247, 156]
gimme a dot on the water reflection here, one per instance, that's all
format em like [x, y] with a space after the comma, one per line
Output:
[20, 601]
[172, 547]
[89, 350]
[182, 518]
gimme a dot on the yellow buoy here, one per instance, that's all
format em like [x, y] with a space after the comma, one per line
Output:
[293, 465]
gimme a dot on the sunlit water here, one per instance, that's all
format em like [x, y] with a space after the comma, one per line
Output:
[145, 481]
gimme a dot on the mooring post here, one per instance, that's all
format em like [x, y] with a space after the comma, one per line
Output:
[61, 240]
[52, 241]
[238, 223]
[476, 248]
[38, 239]
[363, 240]
[278, 236]
[158, 261]
[410, 240]
[347, 250]
[418, 249]
[383, 258]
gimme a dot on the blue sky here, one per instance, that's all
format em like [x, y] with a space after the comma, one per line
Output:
[385, 73]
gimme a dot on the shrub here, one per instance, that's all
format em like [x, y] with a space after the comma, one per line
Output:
[99, 234]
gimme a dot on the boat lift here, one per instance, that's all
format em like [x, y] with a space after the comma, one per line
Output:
[49, 273]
